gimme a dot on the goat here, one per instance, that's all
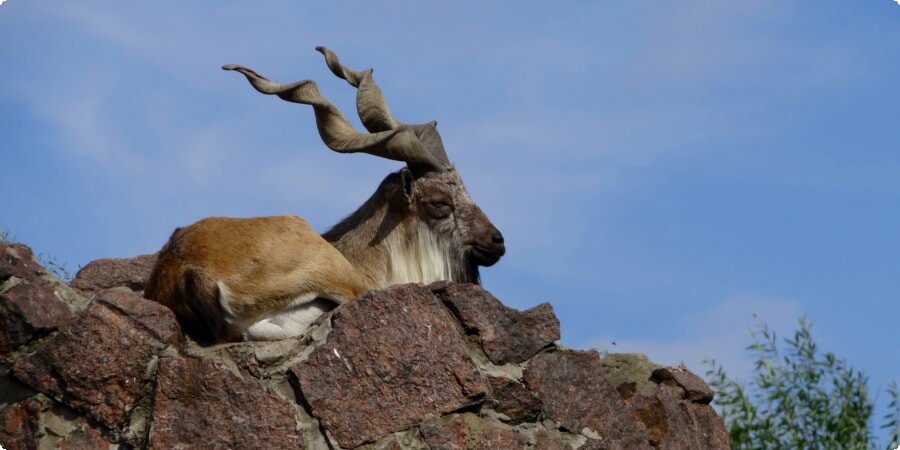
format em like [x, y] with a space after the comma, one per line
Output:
[269, 278]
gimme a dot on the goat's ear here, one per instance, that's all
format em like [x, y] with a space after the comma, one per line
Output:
[406, 179]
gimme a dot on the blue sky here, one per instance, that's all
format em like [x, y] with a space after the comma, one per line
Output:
[660, 171]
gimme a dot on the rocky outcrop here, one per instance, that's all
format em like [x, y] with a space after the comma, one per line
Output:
[199, 402]
[100, 363]
[504, 334]
[32, 302]
[375, 377]
[102, 274]
[445, 366]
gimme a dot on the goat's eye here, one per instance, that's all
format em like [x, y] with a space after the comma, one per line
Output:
[440, 208]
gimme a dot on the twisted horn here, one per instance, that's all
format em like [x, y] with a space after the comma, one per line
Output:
[400, 143]
[370, 102]
[373, 108]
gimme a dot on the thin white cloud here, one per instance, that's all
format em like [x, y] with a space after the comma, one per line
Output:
[703, 44]
[182, 40]
[78, 116]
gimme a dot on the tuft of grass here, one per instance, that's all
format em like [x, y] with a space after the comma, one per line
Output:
[58, 269]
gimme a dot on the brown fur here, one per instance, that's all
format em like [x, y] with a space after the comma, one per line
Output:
[264, 263]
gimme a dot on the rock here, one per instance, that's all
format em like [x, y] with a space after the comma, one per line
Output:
[410, 439]
[12, 391]
[29, 311]
[468, 431]
[103, 274]
[513, 400]
[36, 422]
[85, 438]
[392, 358]
[709, 428]
[505, 334]
[628, 372]
[671, 402]
[20, 426]
[17, 260]
[545, 440]
[200, 402]
[389, 444]
[261, 359]
[99, 363]
[576, 394]
[33, 303]
[695, 389]
[677, 423]
[18, 265]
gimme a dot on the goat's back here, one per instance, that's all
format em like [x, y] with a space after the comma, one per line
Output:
[221, 275]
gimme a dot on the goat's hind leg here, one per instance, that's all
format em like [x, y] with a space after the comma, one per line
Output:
[201, 293]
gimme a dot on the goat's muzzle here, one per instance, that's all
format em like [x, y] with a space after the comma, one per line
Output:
[489, 249]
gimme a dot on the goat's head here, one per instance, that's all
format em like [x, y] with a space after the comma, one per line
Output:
[440, 201]
[433, 196]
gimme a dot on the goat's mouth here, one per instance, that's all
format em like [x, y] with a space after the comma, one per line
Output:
[486, 255]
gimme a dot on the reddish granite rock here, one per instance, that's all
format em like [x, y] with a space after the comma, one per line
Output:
[393, 357]
[17, 260]
[468, 431]
[671, 402]
[20, 426]
[675, 423]
[695, 389]
[103, 274]
[29, 311]
[709, 428]
[576, 394]
[545, 440]
[505, 334]
[98, 363]
[199, 403]
[32, 302]
[655, 408]
[34, 422]
[513, 400]
[386, 444]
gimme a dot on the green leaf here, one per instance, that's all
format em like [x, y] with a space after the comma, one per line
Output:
[799, 397]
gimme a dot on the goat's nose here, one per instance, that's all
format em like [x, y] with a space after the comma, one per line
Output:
[497, 238]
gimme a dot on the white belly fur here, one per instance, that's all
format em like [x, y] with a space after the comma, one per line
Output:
[292, 321]
[288, 323]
